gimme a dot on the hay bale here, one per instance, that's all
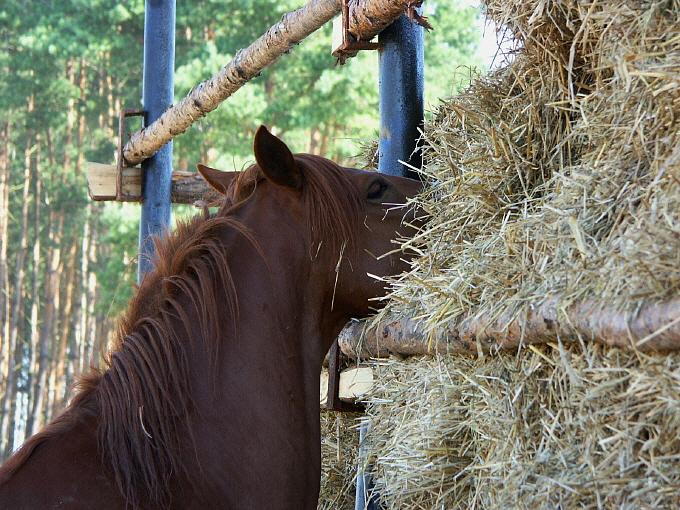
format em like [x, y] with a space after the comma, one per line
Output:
[554, 180]
[558, 176]
[339, 448]
[551, 427]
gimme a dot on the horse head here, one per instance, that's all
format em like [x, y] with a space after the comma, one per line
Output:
[354, 218]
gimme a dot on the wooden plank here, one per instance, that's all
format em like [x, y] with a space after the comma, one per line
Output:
[187, 187]
[354, 384]
[101, 181]
[333, 397]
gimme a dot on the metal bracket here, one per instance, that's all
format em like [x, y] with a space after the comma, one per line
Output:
[120, 163]
[350, 45]
[333, 402]
[413, 14]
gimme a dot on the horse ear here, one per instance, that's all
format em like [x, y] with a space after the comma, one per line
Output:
[275, 159]
[217, 179]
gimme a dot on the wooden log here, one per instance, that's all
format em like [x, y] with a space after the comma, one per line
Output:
[187, 187]
[654, 327]
[367, 18]
[402, 337]
[354, 384]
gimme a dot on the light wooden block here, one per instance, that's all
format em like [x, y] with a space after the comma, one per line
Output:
[354, 384]
[101, 181]
[336, 39]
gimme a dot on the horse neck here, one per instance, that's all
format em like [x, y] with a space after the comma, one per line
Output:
[293, 284]
[265, 393]
[285, 320]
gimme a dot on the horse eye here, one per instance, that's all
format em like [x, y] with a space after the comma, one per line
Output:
[376, 189]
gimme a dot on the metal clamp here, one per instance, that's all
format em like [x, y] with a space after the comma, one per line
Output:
[333, 402]
[413, 14]
[350, 45]
[120, 163]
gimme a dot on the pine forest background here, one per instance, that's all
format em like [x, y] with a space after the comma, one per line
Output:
[67, 264]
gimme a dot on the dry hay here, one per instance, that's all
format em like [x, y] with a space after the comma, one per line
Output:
[551, 427]
[554, 178]
[339, 447]
[558, 176]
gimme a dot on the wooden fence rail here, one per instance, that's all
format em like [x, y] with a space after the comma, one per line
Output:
[366, 19]
[653, 327]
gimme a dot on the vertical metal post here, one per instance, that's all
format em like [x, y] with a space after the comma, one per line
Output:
[158, 94]
[401, 96]
[401, 84]
[365, 499]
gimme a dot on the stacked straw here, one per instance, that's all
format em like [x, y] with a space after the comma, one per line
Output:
[339, 448]
[555, 178]
[552, 427]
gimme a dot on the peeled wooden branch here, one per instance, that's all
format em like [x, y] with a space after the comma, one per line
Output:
[654, 327]
[367, 18]
[188, 190]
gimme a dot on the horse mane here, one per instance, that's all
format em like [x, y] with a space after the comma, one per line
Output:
[143, 395]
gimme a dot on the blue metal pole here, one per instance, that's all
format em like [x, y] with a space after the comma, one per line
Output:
[401, 84]
[365, 499]
[401, 96]
[159, 70]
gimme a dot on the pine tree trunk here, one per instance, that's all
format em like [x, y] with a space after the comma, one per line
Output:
[4, 274]
[35, 300]
[82, 339]
[60, 378]
[4, 232]
[14, 354]
[46, 348]
[313, 140]
[94, 336]
[110, 101]
[325, 139]
[70, 118]
[51, 286]
[64, 329]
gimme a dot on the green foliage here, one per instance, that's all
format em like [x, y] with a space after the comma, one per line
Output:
[450, 49]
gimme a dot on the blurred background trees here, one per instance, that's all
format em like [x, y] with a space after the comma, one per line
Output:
[67, 264]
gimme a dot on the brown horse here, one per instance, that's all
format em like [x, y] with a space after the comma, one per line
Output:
[210, 397]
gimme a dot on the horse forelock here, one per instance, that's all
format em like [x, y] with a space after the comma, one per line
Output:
[143, 396]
